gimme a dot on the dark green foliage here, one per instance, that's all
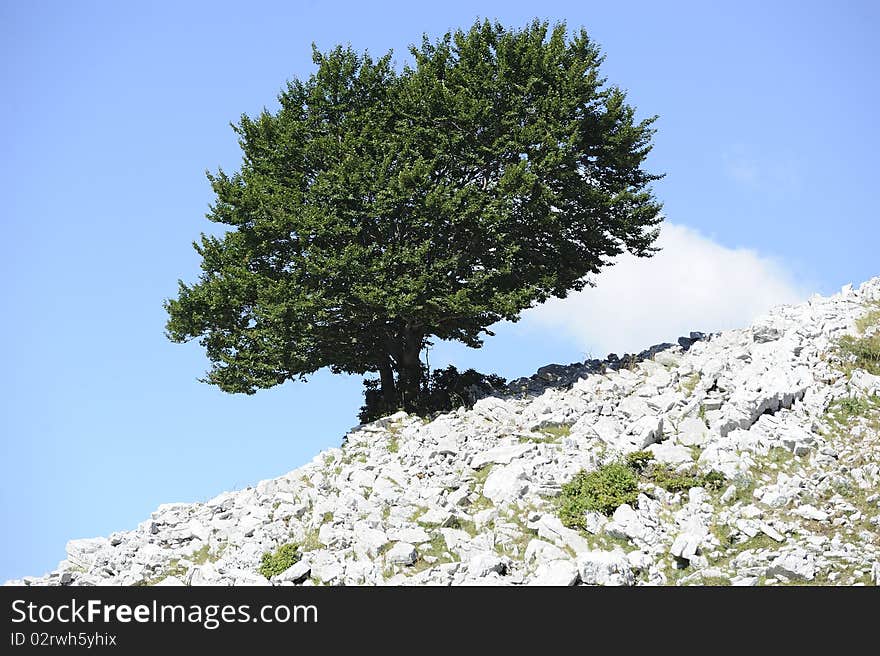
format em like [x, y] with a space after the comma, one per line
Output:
[377, 208]
[445, 389]
[282, 559]
[616, 483]
[673, 481]
[638, 460]
[602, 490]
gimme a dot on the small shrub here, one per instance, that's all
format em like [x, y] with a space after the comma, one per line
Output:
[602, 490]
[284, 557]
[714, 480]
[673, 481]
[639, 460]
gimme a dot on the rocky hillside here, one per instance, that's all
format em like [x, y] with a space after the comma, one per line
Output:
[748, 457]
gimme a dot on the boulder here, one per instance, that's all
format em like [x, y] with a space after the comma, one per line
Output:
[551, 528]
[402, 553]
[626, 524]
[556, 573]
[797, 565]
[505, 484]
[296, 573]
[670, 454]
[692, 431]
[484, 563]
[610, 568]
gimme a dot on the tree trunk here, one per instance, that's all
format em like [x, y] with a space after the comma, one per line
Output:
[409, 369]
[389, 389]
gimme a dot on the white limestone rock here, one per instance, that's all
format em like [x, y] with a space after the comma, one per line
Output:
[484, 563]
[626, 524]
[692, 431]
[671, 454]
[500, 454]
[551, 528]
[505, 484]
[796, 565]
[471, 484]
[296, 573]
[556, 573]
[610, 568]
[808, 511]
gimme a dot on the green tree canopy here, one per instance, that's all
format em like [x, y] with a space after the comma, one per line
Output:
[379, 208]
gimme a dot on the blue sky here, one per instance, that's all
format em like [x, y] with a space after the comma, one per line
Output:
[113, 111]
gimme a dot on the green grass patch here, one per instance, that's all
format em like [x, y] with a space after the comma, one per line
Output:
[482, 474]
[310, 542]
[673, 481]
[515, 546]
[466, 525]
[281, 559]
[760, 541]
[642, 462]
[861, 352]
[204, 555]
[556, 431]
[602, 490]
[394, 438]
[870, 319]
[852, 407]
[715, 581]
[480, 503]
[433, 554]
[174, 569]
[778, 456]
[723, 534]
[418, 512]
[616, 483]
[689, 384]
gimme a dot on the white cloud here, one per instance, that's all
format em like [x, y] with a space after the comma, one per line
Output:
[693, 283]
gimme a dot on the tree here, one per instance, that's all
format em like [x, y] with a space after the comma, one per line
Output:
[376, 208]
